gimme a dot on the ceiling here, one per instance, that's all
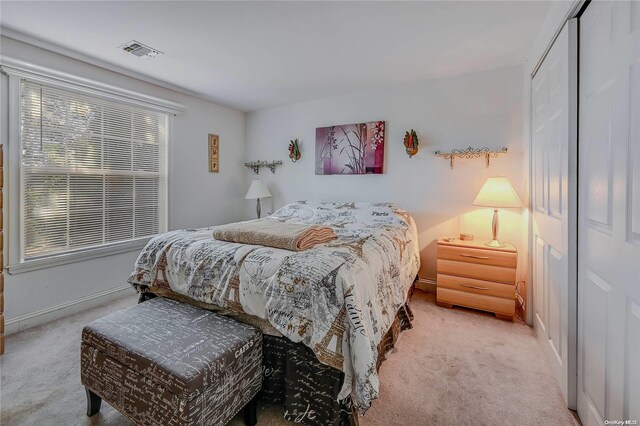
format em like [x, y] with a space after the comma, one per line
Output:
[254, 55]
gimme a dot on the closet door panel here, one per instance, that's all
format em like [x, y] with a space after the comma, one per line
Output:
[554, 188]
[609, 249]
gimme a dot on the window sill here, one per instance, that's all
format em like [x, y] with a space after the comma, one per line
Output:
[79, 256]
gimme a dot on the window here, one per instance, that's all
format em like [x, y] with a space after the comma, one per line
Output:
[94, 171]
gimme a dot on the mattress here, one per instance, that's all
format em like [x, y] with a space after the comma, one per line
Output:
[339, 298]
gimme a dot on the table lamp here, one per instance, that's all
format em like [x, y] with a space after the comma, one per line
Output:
[256, 191]
[496, 193]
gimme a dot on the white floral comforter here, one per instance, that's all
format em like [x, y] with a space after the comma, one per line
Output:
[339, 298]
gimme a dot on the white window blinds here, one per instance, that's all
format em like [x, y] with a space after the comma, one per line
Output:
[93, 171]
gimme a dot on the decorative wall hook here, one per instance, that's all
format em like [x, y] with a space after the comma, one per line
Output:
[256, 165]
[411, 143]
[294, 150]
[471, 153]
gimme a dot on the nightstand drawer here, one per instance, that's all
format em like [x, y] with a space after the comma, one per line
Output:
[484, 257]
[471, 285]
[477, 271]
[478, 301]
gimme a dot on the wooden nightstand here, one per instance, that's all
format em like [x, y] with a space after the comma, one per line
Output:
[474, 275]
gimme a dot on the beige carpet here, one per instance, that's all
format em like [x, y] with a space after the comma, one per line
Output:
[454, 367]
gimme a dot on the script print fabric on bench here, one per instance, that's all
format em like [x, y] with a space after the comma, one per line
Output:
[165, 362]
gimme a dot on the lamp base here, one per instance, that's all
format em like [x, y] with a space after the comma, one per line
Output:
[495, 243]
[494, 229]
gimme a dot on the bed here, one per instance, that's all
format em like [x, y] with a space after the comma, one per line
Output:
[329, 314]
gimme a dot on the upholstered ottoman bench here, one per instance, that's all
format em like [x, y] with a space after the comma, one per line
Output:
[164, 362]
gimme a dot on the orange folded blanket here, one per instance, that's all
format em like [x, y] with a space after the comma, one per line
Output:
[272, 233]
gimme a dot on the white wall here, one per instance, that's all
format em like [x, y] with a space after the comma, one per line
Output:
[480, 109]
[196, 197]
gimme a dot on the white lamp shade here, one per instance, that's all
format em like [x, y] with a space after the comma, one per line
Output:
[257, 190]
[497, 192]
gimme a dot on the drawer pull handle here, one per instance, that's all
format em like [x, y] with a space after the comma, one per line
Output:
[474, 256]
[474, 286]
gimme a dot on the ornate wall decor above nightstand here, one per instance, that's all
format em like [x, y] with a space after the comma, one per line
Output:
[257, 165]
[471, 153]
[474, 275]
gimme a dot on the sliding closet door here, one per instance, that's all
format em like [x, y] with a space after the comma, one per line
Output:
[1, 256]
[609, 223]
[553, 195]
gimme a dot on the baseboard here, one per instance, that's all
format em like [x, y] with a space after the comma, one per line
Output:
[43, 316]
[426, 284]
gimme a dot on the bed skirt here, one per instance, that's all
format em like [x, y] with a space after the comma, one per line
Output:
[306, 389]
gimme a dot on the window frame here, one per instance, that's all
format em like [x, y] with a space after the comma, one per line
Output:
[17, 71]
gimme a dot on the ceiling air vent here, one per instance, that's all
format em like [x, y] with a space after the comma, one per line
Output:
[140, 50]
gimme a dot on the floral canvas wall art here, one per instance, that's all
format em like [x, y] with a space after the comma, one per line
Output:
[353, 149]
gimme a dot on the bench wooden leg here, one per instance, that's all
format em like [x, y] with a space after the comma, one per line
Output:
[93, 402]
[251, 412]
